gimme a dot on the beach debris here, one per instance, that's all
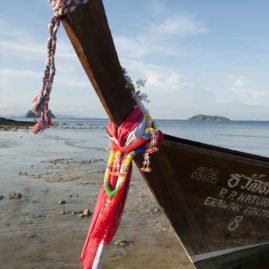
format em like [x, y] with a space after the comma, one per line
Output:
[45, 190]
[85, 213]
[61, 202]
[31, 235]
[1, 197]
[29, 221]
[155, 210]
[76, 212]
[38, 215]
[15, 195]
[85, 183]
[99, 171]
[23, 173]
[121, 242]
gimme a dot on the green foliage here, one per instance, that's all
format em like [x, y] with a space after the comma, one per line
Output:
[135, 87]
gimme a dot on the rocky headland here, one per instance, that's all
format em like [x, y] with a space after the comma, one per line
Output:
[202, 117]
[8, 124]
[31, 114]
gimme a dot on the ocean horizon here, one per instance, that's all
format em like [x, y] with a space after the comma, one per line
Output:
[243, 135]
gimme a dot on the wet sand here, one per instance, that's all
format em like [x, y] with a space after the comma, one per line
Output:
[37, 231]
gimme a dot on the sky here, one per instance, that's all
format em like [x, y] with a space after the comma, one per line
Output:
[198, 57]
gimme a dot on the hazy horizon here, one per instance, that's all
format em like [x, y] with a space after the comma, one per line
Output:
[198, 58]
[62, 116]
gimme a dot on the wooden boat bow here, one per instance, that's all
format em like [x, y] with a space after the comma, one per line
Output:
[89, 33]
[204, 190]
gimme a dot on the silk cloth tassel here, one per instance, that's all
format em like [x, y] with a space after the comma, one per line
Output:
[108, 210]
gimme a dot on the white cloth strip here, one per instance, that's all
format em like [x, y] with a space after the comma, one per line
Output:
[98, 260]
[136, 133]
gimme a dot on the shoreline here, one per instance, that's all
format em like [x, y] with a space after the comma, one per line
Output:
[36, 231]
[8, 124]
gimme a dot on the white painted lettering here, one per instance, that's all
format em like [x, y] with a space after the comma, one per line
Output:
[232, 195]
[222, 192]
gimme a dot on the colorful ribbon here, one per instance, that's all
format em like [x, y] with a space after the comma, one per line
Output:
[40, 104]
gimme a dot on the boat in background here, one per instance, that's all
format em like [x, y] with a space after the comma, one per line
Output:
[216, 199]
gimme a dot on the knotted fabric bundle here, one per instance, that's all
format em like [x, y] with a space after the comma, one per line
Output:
[129, 139]
[40, 104]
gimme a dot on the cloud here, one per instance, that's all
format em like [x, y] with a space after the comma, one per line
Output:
[9, 31]
[134, 48]
[157, 77]
[23, 44]
[247, 95]
[170, 94]
[32, 50]
[15, 73]
[70, 93]
[156, 7]
[162, 37]
[178, 26]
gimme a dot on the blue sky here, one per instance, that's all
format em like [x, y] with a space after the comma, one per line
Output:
[207, 56]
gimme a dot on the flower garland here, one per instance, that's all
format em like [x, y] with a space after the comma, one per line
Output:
[147, 144]
[134, 136]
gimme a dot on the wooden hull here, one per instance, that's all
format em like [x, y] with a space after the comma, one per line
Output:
[216, 199]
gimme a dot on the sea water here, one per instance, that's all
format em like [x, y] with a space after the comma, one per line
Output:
[246, 136]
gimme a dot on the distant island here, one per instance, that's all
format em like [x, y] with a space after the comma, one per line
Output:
[31, 114]
[202, 117]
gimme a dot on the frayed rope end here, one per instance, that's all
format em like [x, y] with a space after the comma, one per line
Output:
[41, 125]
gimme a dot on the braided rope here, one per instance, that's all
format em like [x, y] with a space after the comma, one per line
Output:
[40, 104]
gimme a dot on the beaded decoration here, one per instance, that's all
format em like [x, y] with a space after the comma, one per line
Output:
[147, 145]
[122, 174]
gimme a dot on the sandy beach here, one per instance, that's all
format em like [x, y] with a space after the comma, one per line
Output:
[58, 178]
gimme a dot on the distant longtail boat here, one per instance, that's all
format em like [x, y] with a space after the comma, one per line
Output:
[216, 199]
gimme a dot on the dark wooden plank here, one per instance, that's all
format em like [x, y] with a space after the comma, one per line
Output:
[234, 153]
[89, 33]
[254, 258]
[183, 190]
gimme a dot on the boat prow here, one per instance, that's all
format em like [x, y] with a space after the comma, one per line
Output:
[217, 200]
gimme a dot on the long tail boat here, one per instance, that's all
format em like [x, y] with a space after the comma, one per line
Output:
[216, 199]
